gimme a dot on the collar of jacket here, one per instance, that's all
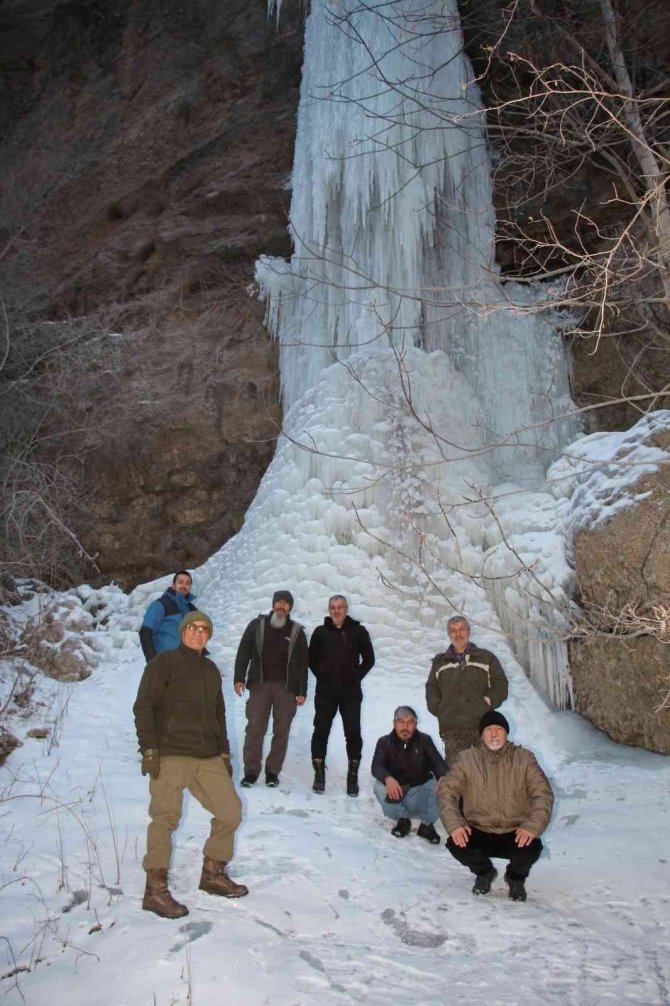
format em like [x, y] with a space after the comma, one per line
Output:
[348, 620]
[460, 657]
[172, 594]
[204, 652]
[496, 755]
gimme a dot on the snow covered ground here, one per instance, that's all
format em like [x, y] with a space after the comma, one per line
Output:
[339, 911]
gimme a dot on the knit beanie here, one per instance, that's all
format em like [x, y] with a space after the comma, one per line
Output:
[282, 595]
[493, 719]
[196, 616]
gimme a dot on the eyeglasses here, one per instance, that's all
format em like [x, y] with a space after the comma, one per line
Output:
[197, 628]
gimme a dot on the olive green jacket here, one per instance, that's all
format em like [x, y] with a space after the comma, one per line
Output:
[501, 791]
[456, 692]
[179, 707]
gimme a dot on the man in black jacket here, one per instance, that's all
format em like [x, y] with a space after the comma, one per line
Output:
[272, 662]
[340, 655]
[406, 765]
[180, 719]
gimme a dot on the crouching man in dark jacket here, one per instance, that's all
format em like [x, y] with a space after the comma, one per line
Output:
[496, 801]
[180, 719]
[406, 764]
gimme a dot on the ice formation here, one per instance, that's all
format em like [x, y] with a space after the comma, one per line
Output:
[447, 428]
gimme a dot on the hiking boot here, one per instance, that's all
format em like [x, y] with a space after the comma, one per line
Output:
[215, 880]
[483, 881]
[271, 779]
[157, 898]
[516, 888]
[319, 785]
[428, 832]
[352, 777]
[248, 780]
[402, 828]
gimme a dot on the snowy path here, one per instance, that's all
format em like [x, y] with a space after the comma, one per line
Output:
[339, 911]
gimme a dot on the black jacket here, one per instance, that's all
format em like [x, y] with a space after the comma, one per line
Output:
[179, 707]
[340, 658]
[248, 664]
[411, 763]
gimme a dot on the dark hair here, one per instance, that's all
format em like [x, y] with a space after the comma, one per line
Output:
[181, 572]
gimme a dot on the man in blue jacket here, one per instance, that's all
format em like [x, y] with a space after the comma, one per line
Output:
[160, 628]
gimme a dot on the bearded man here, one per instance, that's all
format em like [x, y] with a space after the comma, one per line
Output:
[271, 662]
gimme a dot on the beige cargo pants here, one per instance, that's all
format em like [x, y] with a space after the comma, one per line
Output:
[207, 779]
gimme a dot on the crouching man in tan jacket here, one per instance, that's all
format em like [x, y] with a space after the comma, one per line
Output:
[180, 718]
[506, 805]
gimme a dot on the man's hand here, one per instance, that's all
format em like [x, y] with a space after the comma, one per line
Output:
[461, 836]
[393, 788]
[524, 837]
[300, 700]
[226, 761]
[151, 763]
[239, 687]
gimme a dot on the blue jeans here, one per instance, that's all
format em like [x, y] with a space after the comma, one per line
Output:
[418, 802]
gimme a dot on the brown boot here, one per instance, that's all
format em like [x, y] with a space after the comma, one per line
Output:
[158, 899]
[215, 880]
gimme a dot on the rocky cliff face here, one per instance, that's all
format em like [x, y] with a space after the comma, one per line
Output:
[147, 146]
[621, 676]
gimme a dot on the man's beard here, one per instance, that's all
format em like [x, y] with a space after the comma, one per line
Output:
[497, 744]
[278, 619]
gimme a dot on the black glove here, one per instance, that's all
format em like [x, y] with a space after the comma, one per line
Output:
[151, 763]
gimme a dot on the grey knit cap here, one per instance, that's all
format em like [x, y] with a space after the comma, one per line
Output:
[196, 616]
[282, 595]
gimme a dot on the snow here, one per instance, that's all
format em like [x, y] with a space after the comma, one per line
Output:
[411, 476]
[339, 911]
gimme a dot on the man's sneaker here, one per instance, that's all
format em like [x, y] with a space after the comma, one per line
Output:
[319, 785]
[402, 828]
[428, 832]
[483, 881]
[271, 779]
[248, 780]
[515, 887]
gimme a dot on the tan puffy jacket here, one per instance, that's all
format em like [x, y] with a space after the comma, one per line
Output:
[501, 790]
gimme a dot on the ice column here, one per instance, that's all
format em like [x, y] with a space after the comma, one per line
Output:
[392, 224]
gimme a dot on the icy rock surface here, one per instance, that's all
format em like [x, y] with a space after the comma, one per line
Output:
[393, 228]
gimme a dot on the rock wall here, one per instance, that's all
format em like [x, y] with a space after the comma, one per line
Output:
[146, 150]
[622, 675]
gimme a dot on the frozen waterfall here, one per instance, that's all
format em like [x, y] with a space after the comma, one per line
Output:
[438, 443]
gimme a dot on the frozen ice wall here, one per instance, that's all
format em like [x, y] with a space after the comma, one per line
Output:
[393, 225]
[393, 230]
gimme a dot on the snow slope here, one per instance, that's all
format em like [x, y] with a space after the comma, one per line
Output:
[339, 911]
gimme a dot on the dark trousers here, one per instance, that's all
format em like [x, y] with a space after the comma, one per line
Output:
[267, 697]
[483, 844]
[327, 701]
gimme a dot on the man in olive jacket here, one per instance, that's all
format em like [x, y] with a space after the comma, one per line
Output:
[464, 682]
[495, 801]
[272, 662]
[180, 719]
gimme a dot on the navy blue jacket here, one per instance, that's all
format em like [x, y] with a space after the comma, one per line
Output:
[411, 763]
